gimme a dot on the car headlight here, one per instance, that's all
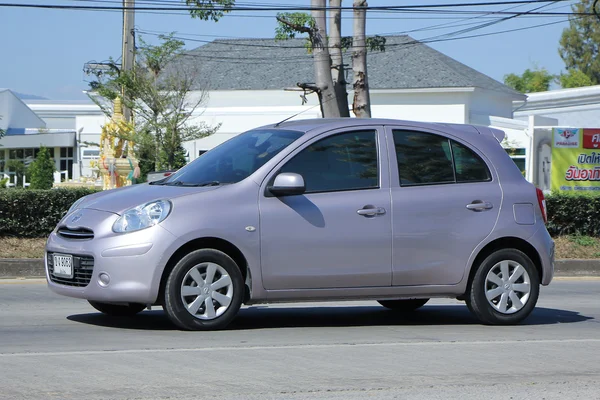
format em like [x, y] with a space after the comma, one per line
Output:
[75, 205]
[142, 216]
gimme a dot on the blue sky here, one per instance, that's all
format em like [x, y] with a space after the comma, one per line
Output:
[42, 52]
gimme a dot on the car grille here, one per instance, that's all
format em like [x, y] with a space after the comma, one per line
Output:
[75, 234]
[83, 267]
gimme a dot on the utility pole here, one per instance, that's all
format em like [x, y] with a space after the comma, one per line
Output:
[128, 45]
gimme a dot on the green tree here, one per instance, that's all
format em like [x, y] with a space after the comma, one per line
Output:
[41, 170]
[328, 49]
[574, 78]
[161, 91]
[537, 80]
[580, 42]
[206, 10]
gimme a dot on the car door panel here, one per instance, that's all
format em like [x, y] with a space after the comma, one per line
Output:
[320, 240]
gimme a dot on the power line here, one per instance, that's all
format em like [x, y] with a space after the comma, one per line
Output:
[405, 8]
[308, 59]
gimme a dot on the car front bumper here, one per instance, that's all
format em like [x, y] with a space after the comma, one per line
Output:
[111, 267]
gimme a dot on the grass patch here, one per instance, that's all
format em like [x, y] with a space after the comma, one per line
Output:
[582, 240]
[572, 246]
[577, 246]
[22, 248]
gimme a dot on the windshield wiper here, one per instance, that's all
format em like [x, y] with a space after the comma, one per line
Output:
[209, 183]
[189, 184]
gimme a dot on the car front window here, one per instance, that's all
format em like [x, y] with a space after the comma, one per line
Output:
[233, 160]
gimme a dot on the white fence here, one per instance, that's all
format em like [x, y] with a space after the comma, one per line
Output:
[12, 179]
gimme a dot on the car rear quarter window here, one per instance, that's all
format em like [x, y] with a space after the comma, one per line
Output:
[429, 159]
[345, 161]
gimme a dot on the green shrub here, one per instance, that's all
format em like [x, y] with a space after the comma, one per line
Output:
[570, 214]
[35, 213]
[41, 170]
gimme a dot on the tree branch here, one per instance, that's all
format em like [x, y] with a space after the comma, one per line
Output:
[296, 27]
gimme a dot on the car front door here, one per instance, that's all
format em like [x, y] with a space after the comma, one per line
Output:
[338, 233]
[445, 200]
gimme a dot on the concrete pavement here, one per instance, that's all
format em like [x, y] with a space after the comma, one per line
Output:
[53, 347]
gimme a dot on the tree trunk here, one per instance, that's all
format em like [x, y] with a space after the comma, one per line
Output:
[337, 61]
[323, 79]
[361, 106]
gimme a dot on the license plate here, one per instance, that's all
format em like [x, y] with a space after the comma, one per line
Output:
[63, 265]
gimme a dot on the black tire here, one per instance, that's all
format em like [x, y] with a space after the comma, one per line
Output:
[175, 303]
[118, 310]
[476, 293]
[406, 305]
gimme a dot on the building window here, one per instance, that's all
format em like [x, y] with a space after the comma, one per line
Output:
[66, 161]
[89, 154]
[26, 156]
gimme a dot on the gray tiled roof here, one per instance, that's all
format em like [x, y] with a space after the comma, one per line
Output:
[262, 64]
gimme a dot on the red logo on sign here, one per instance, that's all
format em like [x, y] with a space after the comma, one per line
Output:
[591, 139]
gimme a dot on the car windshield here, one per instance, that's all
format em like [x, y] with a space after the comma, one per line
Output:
[233, 160]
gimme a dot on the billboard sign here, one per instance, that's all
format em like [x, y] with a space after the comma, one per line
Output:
[575, 159]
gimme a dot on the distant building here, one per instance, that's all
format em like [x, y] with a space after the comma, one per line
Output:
[253, 82]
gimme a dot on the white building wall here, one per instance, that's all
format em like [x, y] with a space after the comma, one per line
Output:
[238, 111]
[483, 104]
[578, 107]
[421, 105]
[578, 116]
[241, 110]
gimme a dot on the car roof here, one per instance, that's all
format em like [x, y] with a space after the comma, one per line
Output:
[318, 125]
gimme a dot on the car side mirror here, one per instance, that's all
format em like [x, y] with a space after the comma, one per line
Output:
[288, 184]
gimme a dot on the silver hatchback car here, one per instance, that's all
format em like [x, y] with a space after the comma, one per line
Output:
[344, 209]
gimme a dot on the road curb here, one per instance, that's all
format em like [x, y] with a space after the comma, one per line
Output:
[22, 268]
[34, 268]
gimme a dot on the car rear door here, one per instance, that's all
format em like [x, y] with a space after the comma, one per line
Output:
[446, 199]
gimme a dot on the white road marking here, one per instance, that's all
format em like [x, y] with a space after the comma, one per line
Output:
[299, 347]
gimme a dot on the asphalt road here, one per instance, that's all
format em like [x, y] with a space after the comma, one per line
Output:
[52, 347]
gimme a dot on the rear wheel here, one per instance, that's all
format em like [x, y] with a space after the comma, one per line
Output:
[117, 310]
[505, 288]
[204, 291]
[406, 305]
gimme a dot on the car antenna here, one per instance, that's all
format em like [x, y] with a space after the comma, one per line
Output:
[303, 111]
[288, 118]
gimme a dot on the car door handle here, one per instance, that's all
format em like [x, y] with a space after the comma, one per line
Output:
[371, 211]
[479, 205]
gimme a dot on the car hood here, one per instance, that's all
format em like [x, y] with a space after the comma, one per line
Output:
[120, 200]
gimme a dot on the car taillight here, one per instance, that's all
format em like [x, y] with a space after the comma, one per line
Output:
[542, 204]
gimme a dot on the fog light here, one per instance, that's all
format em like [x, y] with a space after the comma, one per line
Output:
[103, 279]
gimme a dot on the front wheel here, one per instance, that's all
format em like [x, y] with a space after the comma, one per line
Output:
[204, 291]
[117, 310]
[406, 305]
[505, 288]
